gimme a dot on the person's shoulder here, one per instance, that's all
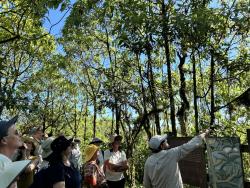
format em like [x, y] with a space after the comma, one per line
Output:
[4, 159]
[149, 161]
[57, 166]
[107, 151]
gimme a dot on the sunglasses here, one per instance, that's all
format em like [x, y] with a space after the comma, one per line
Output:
[17, 132]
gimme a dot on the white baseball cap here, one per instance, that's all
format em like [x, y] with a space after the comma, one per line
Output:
[156, 141]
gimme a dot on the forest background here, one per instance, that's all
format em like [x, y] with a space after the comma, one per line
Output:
[134, 67]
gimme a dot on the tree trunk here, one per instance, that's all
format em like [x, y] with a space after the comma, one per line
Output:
[196, 115]
[167, 54]
[152, 89]
[94, 119]
[112, 123]
[85, 121]
[75, 122]
[182, 112]
[146, 125]
[117, 117]
[212, 112]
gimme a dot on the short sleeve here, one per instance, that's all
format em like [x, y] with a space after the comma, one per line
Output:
[106, 155]
[123, 156]
[56, 174]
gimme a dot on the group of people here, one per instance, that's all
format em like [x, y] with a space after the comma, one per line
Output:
[29, 162]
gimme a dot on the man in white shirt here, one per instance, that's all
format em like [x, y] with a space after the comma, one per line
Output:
[161, 168]
[9, 143]
[115, 163]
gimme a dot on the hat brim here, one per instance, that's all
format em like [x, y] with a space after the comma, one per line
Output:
[96, 142]
[164, 137]
[12, 121]
[86, 159]
[46, 147]
[46, 155]
[88, 154]
[5, 125]
[11, 172]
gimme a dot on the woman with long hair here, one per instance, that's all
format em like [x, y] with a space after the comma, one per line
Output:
[60, 173]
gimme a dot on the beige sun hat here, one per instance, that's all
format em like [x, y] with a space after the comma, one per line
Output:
[89, 152]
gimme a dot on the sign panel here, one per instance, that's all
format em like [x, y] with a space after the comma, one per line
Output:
[224, 162]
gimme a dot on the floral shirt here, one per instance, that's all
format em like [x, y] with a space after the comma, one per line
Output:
[91, 169]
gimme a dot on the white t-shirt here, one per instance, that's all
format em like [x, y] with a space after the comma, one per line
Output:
[4, 162]
[114, 158]
[100, 158]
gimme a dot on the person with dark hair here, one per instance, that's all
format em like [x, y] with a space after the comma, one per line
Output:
[115, 163]
[26, 151]
[161, 168]
[63, 173]
[60, 173]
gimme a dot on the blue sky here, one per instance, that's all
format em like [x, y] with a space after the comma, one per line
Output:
[55, 20]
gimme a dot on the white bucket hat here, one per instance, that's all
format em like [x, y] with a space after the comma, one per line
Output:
[46, 147]
[156, 141]
[10, 170]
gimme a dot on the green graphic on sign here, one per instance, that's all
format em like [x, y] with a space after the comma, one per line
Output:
[224, 162]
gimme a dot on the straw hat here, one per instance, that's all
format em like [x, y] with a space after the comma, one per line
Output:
[89, 151]
[10, 170]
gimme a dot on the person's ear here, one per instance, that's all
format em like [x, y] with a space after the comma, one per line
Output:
[3, 141]
[161, 146]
